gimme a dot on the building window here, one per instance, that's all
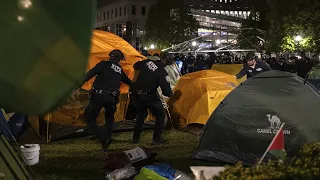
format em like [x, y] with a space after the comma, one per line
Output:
[134, 10]
[143, 10]
[120, 11]
[116, 12]
[125, 10]
[104, 15]
[111, 13]
[108, 15]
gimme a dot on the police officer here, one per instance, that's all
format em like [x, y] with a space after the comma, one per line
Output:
[105, 93]
[252, 67]
[149, 75]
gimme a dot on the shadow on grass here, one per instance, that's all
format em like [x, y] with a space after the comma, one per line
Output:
[70, 168]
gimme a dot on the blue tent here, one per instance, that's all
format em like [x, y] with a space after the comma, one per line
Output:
[12, 127]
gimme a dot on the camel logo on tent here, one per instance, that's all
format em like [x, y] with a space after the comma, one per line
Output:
[275, 124]
[274, 121]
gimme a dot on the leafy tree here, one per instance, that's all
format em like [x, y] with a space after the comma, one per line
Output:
[169, 24]
[300, 17]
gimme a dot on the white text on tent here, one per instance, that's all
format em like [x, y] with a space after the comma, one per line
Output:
[271, 131]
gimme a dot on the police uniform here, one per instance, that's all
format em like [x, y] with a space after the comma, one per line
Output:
[151, 75]
[252, 71]
[105, 93]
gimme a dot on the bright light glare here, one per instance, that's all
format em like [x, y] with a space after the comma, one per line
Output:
[194, 43]
[218, 41]
[25, 3]
[152, 46]
[298, 38]
[145, 48]
[20, 18]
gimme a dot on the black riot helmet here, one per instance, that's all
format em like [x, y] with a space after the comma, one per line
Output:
[116, 55]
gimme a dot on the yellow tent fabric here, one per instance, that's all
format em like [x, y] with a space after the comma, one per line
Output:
[102, 44]
[232, 69]
[198, 94]
[72, 112]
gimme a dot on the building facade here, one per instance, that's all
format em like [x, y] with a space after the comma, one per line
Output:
[125, 18]
[220, 18]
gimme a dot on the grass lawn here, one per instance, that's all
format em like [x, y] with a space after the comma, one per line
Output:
[82, 158]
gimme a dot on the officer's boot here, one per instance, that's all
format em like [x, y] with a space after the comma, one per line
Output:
[135, 139]
[106, 144]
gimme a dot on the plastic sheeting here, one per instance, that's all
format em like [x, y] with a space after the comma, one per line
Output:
[198, 94]
[232, 69]
[243, 126]
[102, 44]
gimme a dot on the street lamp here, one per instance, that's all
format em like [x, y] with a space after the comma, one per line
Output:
[194, 43]
[298, 38]
[152, 46]
[218, 41]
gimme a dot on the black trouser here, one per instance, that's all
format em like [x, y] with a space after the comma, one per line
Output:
[92, 111]
[154, 104]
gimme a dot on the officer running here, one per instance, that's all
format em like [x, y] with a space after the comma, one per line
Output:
[252, 67]
[105, 93]
[149, 75]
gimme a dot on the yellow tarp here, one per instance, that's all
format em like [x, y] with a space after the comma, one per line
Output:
[198, 94]
[232, 69]
[102, 44]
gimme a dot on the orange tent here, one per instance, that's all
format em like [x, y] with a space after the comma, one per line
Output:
[102, 44]
[198, 94]
[70, 115]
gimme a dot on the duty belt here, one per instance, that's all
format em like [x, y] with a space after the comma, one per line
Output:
[142, 92]
[114, 93]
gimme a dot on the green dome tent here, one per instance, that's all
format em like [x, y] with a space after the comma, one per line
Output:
[314, 77]
[244, 124]
[11, 163]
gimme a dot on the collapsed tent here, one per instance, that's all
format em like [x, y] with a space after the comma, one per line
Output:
[232, 69]
[68, 119]
[198, 94]
[246, 121]
[314, 77]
